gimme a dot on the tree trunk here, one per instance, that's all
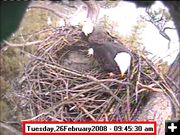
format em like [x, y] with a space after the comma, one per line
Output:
[174, 74]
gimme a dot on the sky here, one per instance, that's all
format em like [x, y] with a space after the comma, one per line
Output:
[126, 15]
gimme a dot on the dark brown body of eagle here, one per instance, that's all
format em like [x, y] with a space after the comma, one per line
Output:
[105, 54]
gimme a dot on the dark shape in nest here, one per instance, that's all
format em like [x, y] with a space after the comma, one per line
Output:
[53, 88]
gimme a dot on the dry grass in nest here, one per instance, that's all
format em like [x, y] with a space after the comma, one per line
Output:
[49, 90]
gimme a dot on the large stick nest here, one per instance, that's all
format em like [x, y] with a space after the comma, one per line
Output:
[62, 83]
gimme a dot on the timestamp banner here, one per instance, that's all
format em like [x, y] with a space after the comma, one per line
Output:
[78, 128]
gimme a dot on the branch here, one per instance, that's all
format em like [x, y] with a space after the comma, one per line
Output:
[10, 128]
[158, 25]
[60, 15]
[162, 33]
[169, 28]
[22, 45]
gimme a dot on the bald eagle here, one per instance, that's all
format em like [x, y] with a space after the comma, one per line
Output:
[113, 57]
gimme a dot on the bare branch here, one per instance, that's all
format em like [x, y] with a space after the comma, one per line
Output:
[22, 45]
[159, 24]
[169, 28]
[60, 15]
[10, 128]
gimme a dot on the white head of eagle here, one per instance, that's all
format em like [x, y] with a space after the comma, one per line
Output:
[123, 60]
[113, 57]
[88, 27]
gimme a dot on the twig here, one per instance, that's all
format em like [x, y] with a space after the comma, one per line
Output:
[22, 45]
[138, 77]
[168, 91]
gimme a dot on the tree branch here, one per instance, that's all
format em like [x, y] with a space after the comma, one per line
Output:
[60, 15]
[22, 45]
[159, 24]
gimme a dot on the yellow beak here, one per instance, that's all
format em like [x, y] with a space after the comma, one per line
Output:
[122, 76]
